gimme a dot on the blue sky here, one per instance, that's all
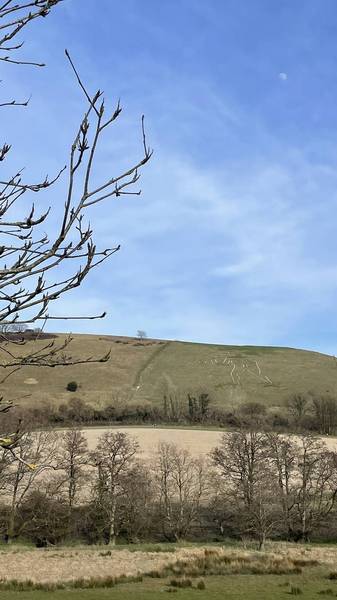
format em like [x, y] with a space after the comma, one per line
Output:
[234, 237]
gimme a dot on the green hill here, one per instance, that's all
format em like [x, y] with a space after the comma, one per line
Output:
[142, 372]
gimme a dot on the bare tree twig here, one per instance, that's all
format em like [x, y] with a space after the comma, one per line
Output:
[37, 269]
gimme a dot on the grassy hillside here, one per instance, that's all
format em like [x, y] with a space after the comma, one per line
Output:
[140, 372]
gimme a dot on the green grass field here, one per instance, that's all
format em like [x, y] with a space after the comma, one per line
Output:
[141, 372]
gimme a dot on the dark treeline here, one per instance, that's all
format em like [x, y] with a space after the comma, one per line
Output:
[254, 484]
[301, 412]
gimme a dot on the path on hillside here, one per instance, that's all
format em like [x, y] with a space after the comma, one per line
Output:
[138, 377]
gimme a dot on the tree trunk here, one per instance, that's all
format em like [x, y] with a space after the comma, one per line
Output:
[262, 541]
[304, 525]
[11, 526]
[112, 529]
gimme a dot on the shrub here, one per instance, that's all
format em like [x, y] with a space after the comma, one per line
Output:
[72, 386]
[43, 519]
[279, 421]
[295, 591]
[252, 409]
[333, 576]
[232, 420]
[82, 583]
[181, 583]
[201, 585]
[302, 562]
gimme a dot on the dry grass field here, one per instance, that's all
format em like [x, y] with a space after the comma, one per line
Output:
[198, 442]
[143, 371]
[194, 572]
[64, 565]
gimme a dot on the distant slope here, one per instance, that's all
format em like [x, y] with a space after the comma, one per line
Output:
[141, 372]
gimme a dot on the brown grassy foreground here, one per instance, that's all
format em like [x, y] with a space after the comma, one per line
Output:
[141, 372]
[75, 567]
[68, 565]
[53, 566]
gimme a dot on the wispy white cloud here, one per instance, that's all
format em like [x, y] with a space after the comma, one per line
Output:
[217, 256]
[233, 238]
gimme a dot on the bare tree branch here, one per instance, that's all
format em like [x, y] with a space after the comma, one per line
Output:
[37, 268]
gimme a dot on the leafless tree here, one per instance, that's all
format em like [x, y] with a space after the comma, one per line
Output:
[298, 406]
[72, 459]
[135, 507]
[243, 462]
[31, 260]
[283, 452]
[113, 457]
[141, 334]
[41, 449]
[174, 406]
[239, 458]
[264, 516]
[181, 486]
[42, 517]
[317, 484]
[325, 410]
[306, 481]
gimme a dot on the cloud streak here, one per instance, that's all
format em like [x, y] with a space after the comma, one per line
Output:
[233, 239]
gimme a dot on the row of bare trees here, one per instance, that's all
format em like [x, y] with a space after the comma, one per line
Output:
[119, 490]
[253, 484]
[277, 483]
